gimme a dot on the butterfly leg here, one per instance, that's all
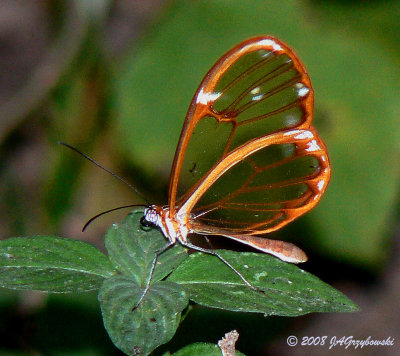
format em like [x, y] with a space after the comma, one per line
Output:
[225, 261]
[150, 277]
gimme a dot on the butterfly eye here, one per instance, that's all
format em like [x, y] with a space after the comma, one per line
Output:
[145, 223]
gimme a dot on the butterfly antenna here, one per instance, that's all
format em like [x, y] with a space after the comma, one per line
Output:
[105, 169]
[109, 211]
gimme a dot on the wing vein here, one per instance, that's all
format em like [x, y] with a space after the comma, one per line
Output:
[269, 94]
[285, 67]
[271, 56]
[289, 106]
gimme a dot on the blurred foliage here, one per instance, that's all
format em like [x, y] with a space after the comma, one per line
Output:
[126, 110]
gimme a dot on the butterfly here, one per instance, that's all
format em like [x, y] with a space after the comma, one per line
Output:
[248, 161]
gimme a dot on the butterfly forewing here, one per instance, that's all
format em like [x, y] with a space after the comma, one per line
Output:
[256, 89]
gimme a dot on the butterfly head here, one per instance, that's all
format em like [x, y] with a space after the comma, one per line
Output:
[151, 216]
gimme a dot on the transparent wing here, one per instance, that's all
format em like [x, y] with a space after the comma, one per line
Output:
[261, 186]
[256, 89]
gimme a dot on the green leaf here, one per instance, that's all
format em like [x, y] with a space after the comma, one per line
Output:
[52, 264]
[132, 249]
[202, 348]
[289, 291]
[152, 324]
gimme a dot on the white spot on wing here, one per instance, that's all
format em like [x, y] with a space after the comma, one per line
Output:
[257, 97]
[302, 90]
[271, 43]
[304, 134]
[313, 146]
[255, 91]
[205, 98]
[292, 132]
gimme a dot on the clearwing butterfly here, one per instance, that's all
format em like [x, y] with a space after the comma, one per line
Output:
[248, 160]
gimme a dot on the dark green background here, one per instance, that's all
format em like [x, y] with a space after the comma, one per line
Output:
[115, 79]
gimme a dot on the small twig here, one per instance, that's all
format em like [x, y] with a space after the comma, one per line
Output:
[227, 343]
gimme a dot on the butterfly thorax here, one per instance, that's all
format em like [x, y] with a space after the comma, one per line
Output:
[174, 227]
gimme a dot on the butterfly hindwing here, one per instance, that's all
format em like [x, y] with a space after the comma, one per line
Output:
[264, 186]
